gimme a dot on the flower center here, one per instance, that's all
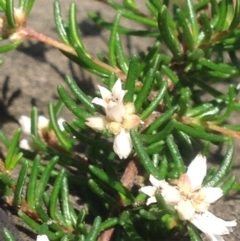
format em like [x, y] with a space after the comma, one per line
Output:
[197, 198]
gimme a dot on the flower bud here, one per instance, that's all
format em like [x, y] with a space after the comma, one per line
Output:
[114, 127]
[131, 121]
[97, 123]
[129, 108]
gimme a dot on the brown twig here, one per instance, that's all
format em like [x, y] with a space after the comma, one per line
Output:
[210, 125]
[30, 33]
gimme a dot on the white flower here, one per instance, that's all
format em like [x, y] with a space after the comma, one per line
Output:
[25, 144]
[42, 125]
[119, 118]
[170, 194]
[109, 98]
[122, 144]
[25, 123]
[213, 226]
[97, 122]
[191, 200]
[42, 238]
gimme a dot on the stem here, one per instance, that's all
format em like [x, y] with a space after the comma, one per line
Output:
[210, 125]
[29, 33]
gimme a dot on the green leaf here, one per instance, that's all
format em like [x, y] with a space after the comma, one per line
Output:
[147, 215]
[230, 106]
[66, 206]
[80, 95]
[78, 45]
[222, 15]
[143, 156]
[224, 167]
[71, 105]
[127, 31]
[29, 6]
[151, 7]
[8, 236]
[130, 4]
[3, 5]
[20, 183]
[193, 20]
[44, 178]
[115, 184]
[236, 19]
[60, 24]
[161, 120]
[95, 229]
[206, 27]
[227, 186]
[10, 14]
[37, 227]
[100, 192]
[193, 233]
[32, 184]
[109, 224]
[11, 161]
[59, 133]
[199, 134]
[168, 34]
[128, 226]
[34, 122]
[163, 205]
[163, 168]
[151, 107]
[160, 135]
[132, 76]
[112, 40]
[53, 207]
[130, 15]
[143, 94]
[121, 58]
[4, 139]
[22, 4]
[186, 31]
[178, 161]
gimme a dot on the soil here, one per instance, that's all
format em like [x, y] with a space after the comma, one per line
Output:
[30, 75]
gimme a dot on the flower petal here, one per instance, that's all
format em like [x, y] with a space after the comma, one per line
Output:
[115, 113]
[25, 123]
[170, 193]
[213, 237]
[131, 121]
[148, 190]
[42, 238]
[24, 144]
[97, 122]
[185, 210]
[117, 92]
[212, 193]
[157, 183]
[42, 122]
[197, 170]
[122, 145]
[210, 224]
[60, 123]
[151, 200]
[105, 93]
[100, 102]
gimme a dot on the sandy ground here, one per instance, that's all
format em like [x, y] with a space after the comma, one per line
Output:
[31, 74]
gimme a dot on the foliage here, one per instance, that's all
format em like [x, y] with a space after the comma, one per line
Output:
[195, 49]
